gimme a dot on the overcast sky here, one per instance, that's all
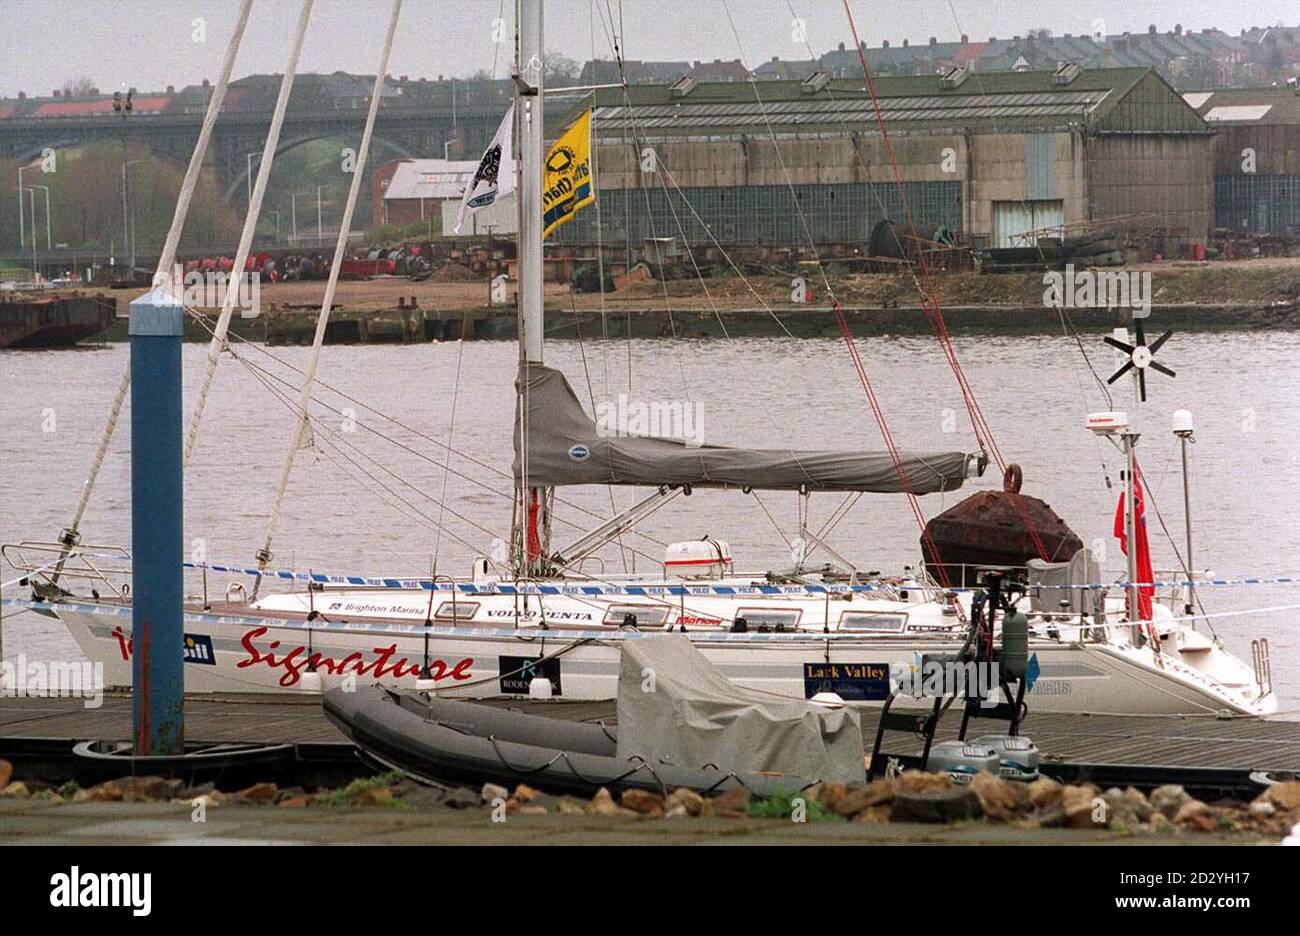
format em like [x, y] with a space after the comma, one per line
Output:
[150, 44]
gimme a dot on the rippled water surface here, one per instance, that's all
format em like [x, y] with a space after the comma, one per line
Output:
[366, 503]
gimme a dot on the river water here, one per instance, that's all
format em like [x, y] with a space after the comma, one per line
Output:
[364, 503]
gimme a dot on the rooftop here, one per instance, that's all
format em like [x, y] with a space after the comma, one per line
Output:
[989, 100]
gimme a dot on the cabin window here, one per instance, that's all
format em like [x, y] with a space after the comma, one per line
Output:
[873, 621]
[646, 615]
[770, 617]
[456, 611]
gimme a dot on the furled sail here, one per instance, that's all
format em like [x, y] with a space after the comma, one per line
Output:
[566, 446]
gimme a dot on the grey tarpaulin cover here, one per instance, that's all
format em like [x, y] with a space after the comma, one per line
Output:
[1081, 570]
[566, 447]
[695, 716]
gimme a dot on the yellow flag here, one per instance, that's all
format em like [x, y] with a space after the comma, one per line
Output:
[566, 186]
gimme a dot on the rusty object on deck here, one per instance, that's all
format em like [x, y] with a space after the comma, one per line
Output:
[989, 529]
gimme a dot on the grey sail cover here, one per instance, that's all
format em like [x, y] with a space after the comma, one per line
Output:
[565, 446]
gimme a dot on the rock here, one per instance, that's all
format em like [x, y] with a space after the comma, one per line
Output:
[6, 773]
[461, 798]
[1262, 807]
[1126, 809]
[524, 793]
[828, 794]
[289, 793]
[258, 793]
[149, 789]
[1000, 799]
[643, 802]
[1080, 808]
[293, 802]
[1141, 807]
[532, 809]
[863, 797]
[568, 806]
[676, 812]
[1285, 795]
[1195, 815]
[914, 781]
[1160, 823]
[875, 815]
[492, 791]
[108, 792]
[48, 796]
[207, 800]
[1168, 799]
[938, 804]
[602, 804]
[1044, 793]
[686, 798]
[15, 790]
[189, 793]
[731, 803]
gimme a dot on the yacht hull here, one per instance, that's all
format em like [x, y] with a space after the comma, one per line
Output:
[247, 653]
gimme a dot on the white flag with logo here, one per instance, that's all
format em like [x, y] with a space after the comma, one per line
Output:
[495, 176]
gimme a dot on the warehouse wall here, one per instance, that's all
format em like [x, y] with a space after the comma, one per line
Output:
[1002, 170]
[1267, 199]
[740, 189]
[1171, 175]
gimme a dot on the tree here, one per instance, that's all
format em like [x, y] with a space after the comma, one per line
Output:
[561, 70]
[79, 87]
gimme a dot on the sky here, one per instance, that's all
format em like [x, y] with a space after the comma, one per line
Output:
[150, 44]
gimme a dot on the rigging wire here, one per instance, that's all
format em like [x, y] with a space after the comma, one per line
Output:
[167, 257]
[855, 357]
[322, 320]
[251, 217]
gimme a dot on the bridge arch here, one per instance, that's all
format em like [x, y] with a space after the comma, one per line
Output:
[239, 181]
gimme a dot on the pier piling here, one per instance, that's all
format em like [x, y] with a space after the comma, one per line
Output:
[157, 618]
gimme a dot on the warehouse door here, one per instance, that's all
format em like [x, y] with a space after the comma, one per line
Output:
[1014, 220]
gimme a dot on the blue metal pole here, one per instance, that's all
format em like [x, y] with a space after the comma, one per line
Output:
[157, 666]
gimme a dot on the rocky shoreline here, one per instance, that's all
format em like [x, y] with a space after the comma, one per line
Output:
[911, 798]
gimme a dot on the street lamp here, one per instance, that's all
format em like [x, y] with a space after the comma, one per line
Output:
[128, 235]
[46, 189]
[35, 274]
[125, 107]
[22, 238]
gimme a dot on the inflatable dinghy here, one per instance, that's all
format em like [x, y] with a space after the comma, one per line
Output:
[441, 741]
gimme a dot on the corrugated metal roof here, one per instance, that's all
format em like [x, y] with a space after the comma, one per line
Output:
[1248, 105]
[430, 178]
[988, 100]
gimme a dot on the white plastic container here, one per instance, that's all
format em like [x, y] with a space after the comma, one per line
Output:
[706, 558]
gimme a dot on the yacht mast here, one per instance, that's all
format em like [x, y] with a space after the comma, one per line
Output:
[528, 110]
[532, 533]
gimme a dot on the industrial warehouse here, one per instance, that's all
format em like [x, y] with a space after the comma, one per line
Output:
[987, 160]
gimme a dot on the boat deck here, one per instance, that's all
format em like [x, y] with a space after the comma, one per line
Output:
[1205, 753]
